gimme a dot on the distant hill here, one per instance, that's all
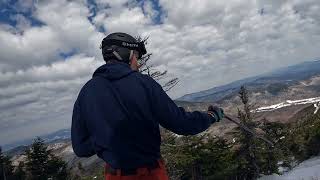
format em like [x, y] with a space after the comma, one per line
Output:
[16, 151]
[278, 95]
[294, 82]
[57, 136]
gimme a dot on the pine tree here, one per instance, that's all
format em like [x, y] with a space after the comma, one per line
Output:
[20, 173]
[41, 164]
[6, 168]
[304, 138]
[57, 168]
[313, 136]
[198, 157]
[37, 160]
[256, 157]
[247, 154]
[2, 168]
[275, 132]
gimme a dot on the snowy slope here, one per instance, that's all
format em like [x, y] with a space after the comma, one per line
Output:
[307, 170]
[288, 103]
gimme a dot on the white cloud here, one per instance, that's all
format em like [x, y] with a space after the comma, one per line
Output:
[66, 29]
[222, 38]
[129, 20]
[70, 21]
[28, 49]
[42, 93]
[73, 67]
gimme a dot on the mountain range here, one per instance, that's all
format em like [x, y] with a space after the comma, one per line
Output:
[290, 84]
[293, 82]
[59, 135]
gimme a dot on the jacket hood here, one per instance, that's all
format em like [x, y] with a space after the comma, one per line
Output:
[114, 70]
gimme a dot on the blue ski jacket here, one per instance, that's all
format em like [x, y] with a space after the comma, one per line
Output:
[100, 126]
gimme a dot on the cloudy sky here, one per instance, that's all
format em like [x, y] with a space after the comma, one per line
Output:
[49, 49]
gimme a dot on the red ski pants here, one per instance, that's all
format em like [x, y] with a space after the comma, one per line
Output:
[159, 173]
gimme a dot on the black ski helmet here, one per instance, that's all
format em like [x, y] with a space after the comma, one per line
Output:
[120, 46]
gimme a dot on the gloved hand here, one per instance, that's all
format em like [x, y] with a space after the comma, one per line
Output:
[216, 112]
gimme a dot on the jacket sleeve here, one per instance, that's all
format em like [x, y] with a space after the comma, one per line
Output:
[175, 118]
[80, 137]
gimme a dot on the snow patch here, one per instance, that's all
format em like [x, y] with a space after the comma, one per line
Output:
[307, 170]
[68, 150]
[317, 106]
[56, 146]
[282, 137]
[288, 103]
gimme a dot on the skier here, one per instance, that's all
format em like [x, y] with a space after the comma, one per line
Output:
[118, 112]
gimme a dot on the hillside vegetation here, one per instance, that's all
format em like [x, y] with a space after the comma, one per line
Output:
[242, 156]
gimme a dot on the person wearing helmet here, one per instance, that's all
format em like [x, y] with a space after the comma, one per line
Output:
[118, 112]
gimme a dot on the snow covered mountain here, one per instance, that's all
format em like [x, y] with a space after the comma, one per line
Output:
[300, 81]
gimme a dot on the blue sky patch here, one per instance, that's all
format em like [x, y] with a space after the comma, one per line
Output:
[93, 8]
[10, 9]
[70, 53]
[156, 7]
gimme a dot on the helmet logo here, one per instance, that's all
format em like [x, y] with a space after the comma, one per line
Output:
[129, 44]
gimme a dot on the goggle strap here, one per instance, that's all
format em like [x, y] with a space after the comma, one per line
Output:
[131, 54]
[117, 55]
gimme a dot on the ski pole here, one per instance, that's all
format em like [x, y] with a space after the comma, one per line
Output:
[249, 130]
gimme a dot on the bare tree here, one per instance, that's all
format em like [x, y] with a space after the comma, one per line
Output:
[148, 69]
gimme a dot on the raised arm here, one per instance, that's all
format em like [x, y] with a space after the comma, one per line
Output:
[175, 118]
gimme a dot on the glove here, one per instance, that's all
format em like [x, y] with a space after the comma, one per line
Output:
[216, 112]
